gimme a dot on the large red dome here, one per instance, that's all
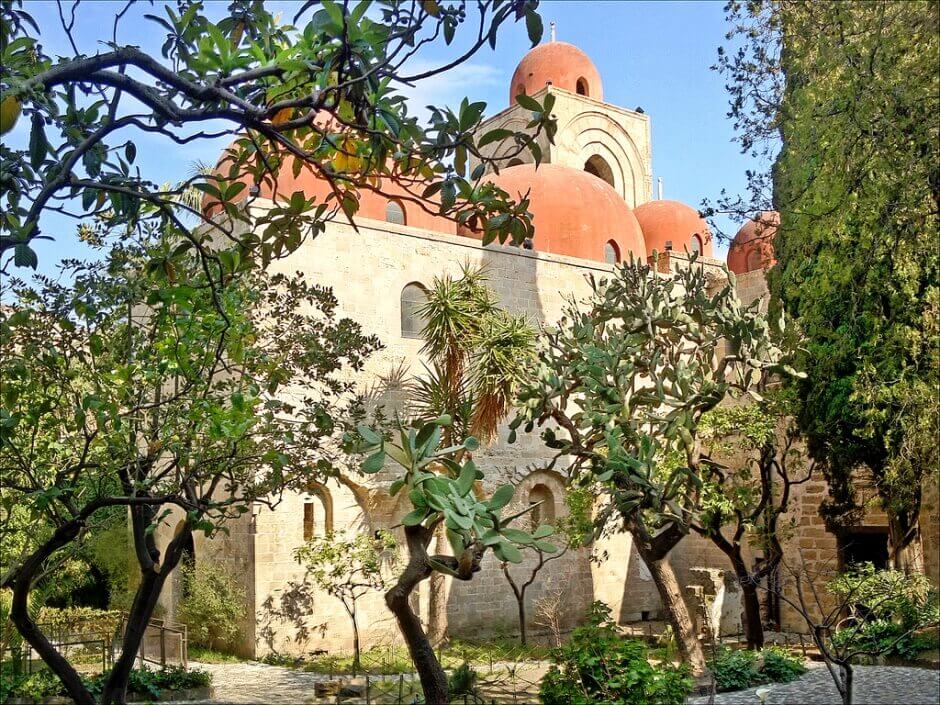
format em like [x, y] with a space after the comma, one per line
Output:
[753, 246]
[574, 213]
[562, 64]
[675, 224]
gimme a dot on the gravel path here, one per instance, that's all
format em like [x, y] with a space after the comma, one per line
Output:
[874, 685]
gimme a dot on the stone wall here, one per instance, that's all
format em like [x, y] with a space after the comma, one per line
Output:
[586, 128]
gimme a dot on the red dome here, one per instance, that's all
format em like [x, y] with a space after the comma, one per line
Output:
[574, 213]
[563, 64]
[673, 222]
[753, 246]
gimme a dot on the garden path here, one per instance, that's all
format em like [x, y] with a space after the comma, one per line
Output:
[874, 685]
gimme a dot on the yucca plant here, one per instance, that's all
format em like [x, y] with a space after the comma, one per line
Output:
[478, 353]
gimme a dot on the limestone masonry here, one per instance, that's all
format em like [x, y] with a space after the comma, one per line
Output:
[592, 205]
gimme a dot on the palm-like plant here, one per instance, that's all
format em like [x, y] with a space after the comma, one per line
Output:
[479, 354]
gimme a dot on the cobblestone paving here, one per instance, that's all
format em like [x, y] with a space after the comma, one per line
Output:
[874, 685]
[255, 683]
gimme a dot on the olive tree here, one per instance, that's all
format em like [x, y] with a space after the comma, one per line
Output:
[440, 490]
[146, 388]
[621, 386]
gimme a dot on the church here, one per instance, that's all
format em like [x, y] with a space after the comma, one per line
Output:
[593, 204]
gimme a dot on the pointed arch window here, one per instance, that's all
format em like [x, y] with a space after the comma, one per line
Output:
[611, 252]
[581, 87]
[318, 513]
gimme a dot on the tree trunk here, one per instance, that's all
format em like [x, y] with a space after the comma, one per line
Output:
[753, 624]
[437, 597]
[521, 603]
[670, 594]
[432, 675]
[22, 583]
[138, 618]
[357, 663]
[845, 671]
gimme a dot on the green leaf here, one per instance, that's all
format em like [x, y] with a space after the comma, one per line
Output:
[374, 462]
[23, 256]
[533, 26]
[543, 531]
[501, 497]
[468, 475]
[529, 103]
[494, 136]
[546, 547]
[368, 435]
[510, 552]
[471, 443]
[396, 487]
[415, 517]
[37, 141]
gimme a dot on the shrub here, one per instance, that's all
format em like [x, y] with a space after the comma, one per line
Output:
[211, 606]
[463, 681]
[886, 608]
[599, 664]
[143, 681]
[735, 670]
[780, 666]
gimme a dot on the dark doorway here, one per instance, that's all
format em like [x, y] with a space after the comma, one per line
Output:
[867, 546]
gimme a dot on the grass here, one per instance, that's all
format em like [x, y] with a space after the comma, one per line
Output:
[198, 653]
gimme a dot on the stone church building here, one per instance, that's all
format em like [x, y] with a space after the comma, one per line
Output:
[593, 205]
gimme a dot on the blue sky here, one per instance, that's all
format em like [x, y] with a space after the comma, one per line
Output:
[650, 54]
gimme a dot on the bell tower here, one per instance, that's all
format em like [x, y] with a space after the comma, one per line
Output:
[605, 140]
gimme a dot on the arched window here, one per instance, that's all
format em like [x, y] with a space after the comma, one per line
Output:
[754, 261]
[695, 245]
[318, 513]
[394, 213]
[413, 297]
[598, 167]
[581, 87]
[544, 512]
[611, 252]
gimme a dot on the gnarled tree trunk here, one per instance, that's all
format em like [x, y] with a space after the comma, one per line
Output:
[677, 612]
[430, 672]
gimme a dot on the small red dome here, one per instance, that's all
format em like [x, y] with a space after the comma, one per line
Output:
[676, 223]
[574, 213]
[562, 64]
[753, 246]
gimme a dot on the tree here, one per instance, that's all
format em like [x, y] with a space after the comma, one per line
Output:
[622, 385]
[479, 354]
[440, 490]
[323, 93]
[347, 568]
[841, 98]
[752, 451]
[146, 388]
[841, 609]
[573, 528]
